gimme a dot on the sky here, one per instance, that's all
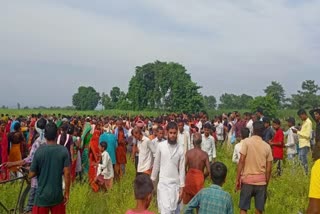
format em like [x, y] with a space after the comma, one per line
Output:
[50, 48]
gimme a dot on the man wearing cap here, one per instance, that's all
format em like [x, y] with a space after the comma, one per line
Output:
[292, 139]
[304, 138]
[315, 114]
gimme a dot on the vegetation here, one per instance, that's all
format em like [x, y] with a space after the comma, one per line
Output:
[162, 86]
[287, 194]
[86, 98]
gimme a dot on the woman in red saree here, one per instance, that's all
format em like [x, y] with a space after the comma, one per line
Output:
[94, 159]
[4, 151]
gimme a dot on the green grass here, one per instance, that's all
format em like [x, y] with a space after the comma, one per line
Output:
[282, 114]
[287, 194]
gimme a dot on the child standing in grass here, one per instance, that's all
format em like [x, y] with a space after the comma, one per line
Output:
[143, 189]
[105, 169]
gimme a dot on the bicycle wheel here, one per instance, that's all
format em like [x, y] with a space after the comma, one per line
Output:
[24, 199]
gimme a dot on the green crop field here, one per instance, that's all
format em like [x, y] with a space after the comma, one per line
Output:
[282, 114]
[287, 194]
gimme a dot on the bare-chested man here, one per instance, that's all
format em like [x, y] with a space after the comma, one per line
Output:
[196, 161]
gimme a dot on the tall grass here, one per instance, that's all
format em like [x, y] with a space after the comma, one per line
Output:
[287, 194]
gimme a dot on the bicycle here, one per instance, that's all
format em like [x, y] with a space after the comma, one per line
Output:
[23, 192]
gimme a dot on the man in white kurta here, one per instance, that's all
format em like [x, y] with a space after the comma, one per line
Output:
[170, 161]
[183, 137]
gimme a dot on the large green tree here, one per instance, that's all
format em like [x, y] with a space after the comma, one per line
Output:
[106, 101]
[87, 98]
[307, 97]
[115, 94]
[275, 90]
[232, 101]
[267, 103]
[162, 85]
[210, 102]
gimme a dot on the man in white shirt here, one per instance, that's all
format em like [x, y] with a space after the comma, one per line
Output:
[208, 144]
[160, 138]
[170, 162]
[249, 124]
[292, 139]
[146, 150]
[220, 130]
[183, 137]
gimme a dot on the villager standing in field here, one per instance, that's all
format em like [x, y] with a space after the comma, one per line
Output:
[315, 114]
[213, 199]
[254, 170]
[245, 132]
[160, 138]
[170, 161]
[94, 158]
[268, 132]
[39, 142]
[183, 137]
[48, 163]
[4, 149]
[292, 140]
[110, 138]
[277, 144]
[208, 145]
[122, 138]
[86, 137]
[146, 151]
[16, 138]
[314, 189]
[105, 173]
[304, 138]
[196, 162]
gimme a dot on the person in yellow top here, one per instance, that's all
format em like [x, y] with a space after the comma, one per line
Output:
[304, 135]
[314, 190]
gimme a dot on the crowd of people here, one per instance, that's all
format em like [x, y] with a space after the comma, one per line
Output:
[173, 155]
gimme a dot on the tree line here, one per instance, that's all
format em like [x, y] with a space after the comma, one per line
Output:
[168, 86]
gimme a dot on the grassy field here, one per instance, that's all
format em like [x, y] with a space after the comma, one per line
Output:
[287, 194]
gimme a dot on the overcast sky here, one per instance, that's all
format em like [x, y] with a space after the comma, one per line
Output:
[49, 48]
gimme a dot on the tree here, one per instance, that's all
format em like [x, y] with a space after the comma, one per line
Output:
[267, 103]
[232, 101]
[87, 98]
[106, 101]
[307, 97]
[210, 102]
[115, 94]
[276, 91]
[162, 85]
